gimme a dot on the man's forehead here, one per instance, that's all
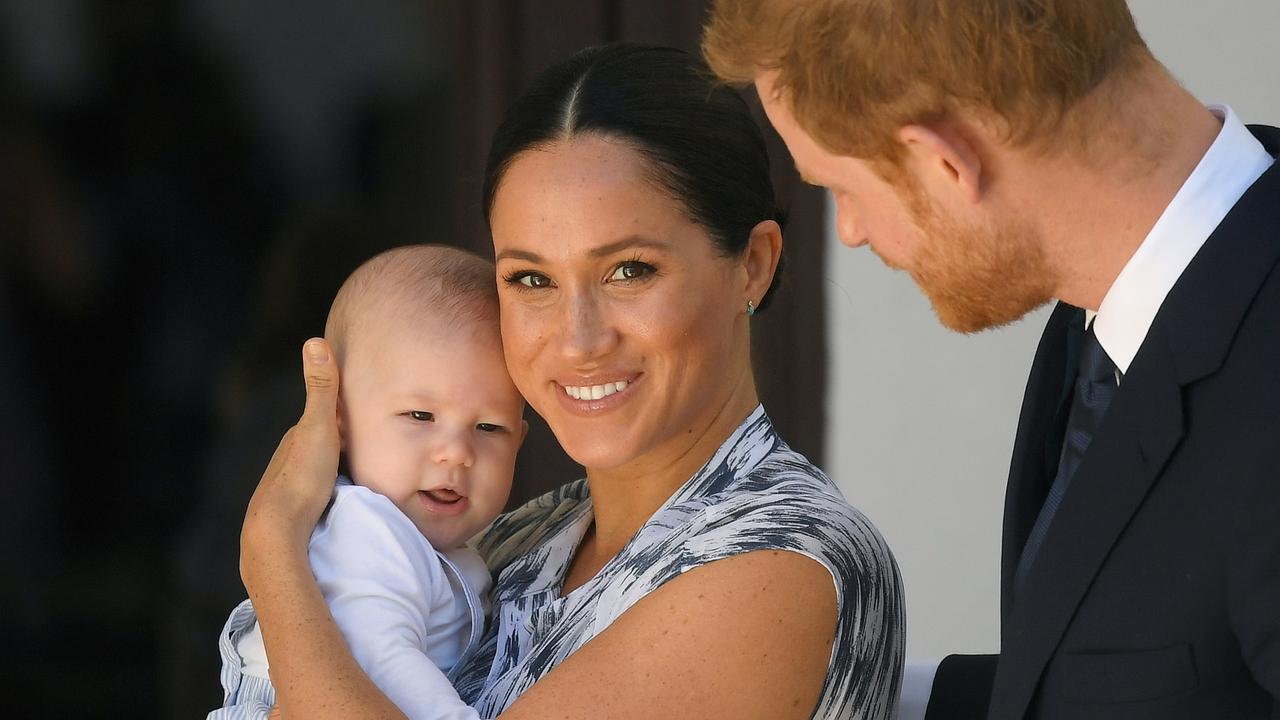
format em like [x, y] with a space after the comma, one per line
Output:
[765, 83]
[775, 106]
[796, 140]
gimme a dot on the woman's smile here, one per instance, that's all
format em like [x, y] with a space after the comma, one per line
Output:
[594, 392]
[595, 398]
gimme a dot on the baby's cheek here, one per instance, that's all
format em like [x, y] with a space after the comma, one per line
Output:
[370, 470]
[492, 496]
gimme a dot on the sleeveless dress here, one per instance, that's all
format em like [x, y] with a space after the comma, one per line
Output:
[755, 493]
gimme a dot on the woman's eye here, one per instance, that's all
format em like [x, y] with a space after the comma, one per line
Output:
[421, 415]
[633, 270]
[489, 428]
[529, 279]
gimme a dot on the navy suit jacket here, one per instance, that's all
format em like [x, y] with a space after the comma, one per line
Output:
[1156, 593]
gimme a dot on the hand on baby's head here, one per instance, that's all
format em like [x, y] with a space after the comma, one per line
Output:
[429, 415]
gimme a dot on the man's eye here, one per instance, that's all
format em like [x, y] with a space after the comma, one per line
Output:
[421, 415]
[633, 270]
[489, 428]
[529, 279]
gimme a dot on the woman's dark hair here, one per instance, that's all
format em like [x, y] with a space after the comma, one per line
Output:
[699, 135]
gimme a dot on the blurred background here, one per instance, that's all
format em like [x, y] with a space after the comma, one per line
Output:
[183, 186]
[185, 183]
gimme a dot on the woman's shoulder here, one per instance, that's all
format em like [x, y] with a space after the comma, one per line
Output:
[518, 531]
[785, 503]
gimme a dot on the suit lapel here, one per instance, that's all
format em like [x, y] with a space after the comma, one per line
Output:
[1188, 341]
[1141, 430]
[1031, 469]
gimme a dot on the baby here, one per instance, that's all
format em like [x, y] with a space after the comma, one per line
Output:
[430, 424]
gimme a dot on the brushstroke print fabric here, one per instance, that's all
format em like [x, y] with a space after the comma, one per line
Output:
[754, 494]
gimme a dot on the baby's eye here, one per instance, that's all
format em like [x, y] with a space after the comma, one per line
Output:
[489, 428]
[632, 270]
[529, 279]
[421, 415]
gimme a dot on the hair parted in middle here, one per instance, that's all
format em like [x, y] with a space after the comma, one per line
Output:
[854, 71]
[705, 148]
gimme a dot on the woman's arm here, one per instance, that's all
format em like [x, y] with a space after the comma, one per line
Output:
[745, 637]
[314, 673]
[748, 636]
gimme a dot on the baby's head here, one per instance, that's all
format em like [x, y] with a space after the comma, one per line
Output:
[428, 414]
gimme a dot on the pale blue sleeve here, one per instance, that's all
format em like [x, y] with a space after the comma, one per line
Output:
[917, 686]
[244, 697]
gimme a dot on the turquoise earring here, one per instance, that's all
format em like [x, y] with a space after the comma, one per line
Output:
[751, 308]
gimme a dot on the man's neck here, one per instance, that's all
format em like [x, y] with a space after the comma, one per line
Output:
[1094, 212]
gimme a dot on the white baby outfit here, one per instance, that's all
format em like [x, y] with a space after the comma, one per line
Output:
[410, 614]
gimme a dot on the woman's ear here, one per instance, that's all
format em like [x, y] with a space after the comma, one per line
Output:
[944, 158]
[760, 260]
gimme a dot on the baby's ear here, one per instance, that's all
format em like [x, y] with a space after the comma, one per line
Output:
[524, 432]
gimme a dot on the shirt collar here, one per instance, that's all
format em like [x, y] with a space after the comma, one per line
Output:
[1233, 162]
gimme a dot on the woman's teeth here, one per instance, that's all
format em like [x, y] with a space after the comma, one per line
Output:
[594, 392]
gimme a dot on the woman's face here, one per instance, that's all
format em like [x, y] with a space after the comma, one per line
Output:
[623, 324]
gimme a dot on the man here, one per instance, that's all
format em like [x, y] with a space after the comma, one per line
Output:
[1005, 153]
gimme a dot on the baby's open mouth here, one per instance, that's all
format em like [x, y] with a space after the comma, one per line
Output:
[442, 495]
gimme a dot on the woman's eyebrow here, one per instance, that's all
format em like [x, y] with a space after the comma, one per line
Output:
[518, 255]
[632, 241]
[626, 243]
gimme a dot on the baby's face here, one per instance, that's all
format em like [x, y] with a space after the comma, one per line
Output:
[432, 421]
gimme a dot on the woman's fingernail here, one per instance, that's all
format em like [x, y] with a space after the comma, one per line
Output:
[316, 352]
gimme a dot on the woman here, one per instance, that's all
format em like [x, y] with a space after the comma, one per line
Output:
[702, 568]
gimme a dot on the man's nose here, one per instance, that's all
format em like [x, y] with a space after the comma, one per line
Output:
[848, 230]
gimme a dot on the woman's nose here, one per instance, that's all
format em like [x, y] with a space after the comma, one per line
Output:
[588, 332]
[453, 448]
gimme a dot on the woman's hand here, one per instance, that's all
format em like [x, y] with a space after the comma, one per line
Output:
[312, 669]
[298, 481]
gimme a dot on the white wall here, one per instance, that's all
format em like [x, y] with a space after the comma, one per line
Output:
[921, 421]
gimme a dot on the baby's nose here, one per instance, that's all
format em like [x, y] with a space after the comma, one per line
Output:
[454, 449]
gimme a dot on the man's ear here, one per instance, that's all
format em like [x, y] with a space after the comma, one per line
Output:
[760, 260]
[942, 154]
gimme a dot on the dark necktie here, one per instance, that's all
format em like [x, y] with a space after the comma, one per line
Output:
[1095, 387]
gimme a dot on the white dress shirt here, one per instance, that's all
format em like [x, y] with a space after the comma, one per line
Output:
[1233, 162]
[1229, 167]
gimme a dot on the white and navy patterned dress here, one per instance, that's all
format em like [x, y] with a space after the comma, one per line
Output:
[754, 494]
